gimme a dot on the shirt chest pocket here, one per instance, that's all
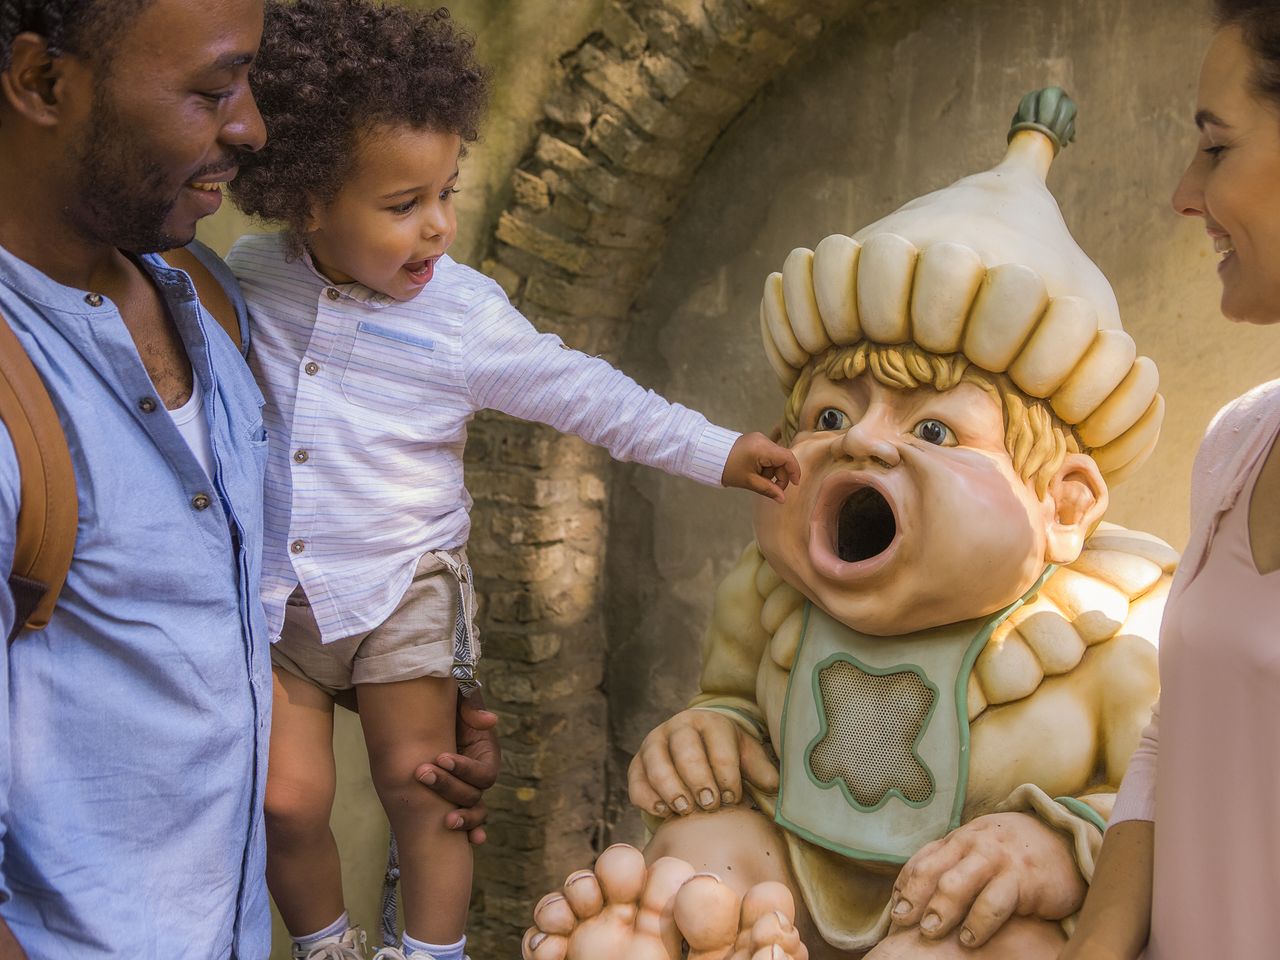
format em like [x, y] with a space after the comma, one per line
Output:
[387, 370]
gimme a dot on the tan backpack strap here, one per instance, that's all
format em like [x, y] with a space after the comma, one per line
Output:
[48, 512]
[212, 294]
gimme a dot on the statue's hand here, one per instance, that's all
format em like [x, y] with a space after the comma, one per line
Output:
[984, 872]
[697, 760]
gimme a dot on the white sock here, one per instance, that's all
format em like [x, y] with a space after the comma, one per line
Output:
[436, 951]
[333, 933]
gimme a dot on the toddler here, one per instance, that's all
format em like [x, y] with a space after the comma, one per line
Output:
[374, 350]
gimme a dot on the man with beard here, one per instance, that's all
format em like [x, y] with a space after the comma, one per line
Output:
[137, 721]
[133, 729]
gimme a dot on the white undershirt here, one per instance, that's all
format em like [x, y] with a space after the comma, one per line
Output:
[190, 421]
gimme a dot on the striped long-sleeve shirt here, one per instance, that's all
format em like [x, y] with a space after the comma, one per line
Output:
[368, 401]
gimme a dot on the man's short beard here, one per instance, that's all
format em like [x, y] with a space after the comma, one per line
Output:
[123, 197]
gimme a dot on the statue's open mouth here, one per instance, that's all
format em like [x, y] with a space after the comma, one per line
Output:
[854, 529]
[865, 526]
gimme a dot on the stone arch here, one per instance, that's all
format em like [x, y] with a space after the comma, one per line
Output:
[638, 108]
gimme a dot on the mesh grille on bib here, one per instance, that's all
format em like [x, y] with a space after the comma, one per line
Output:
[872, 726]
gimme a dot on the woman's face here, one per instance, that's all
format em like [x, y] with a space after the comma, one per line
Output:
[1233, 181]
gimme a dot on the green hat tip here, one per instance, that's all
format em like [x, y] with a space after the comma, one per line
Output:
[1051, 112]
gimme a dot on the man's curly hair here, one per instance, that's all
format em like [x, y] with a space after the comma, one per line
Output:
[331, 70]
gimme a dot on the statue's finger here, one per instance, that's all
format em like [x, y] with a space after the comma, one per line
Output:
[955, 891]
[641, 792]
[756, 766]
[992, 908]
[689, 754]
[661, 775]
[722, 746]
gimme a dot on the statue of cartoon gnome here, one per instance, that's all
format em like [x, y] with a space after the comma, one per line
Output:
[923, 681]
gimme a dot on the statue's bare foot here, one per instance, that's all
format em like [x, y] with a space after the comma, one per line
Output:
[625, 910]
[622, 910]
[708, 915]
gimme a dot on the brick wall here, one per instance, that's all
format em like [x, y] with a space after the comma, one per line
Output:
[640, 104]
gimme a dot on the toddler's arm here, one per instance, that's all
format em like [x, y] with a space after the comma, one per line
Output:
[510, 366]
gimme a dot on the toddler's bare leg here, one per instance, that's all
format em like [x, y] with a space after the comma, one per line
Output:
[405, 722]
[303, 871]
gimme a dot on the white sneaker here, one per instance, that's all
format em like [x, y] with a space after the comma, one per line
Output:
[349, 946]
[395, 953]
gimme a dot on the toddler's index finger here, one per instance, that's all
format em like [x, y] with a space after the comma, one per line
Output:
[761, 484]
[791, 465]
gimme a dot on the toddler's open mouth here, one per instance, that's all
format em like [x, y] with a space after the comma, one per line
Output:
[854, 529]
[421, 271]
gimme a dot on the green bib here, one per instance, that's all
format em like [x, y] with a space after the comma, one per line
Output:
[875, 735]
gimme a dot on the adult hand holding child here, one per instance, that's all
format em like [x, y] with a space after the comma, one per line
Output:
[462, 778]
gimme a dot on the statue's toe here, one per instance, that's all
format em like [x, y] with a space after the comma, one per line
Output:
[768, 925]
[582, 891]
[621, 872]
[621, 910]
[542, 944]
[707, 915]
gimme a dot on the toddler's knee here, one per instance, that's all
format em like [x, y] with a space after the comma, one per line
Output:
[394, 780]
[296, 812]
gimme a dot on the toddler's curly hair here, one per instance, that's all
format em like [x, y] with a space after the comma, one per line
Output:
[330, 71]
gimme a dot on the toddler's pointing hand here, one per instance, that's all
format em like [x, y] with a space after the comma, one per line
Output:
[758, 464]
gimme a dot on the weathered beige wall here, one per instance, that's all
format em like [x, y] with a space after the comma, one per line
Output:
[875, 118]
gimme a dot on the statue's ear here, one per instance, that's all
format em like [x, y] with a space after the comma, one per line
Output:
[1080, 498]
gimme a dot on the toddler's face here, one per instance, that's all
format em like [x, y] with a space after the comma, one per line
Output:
[394, 216]
[911, 514]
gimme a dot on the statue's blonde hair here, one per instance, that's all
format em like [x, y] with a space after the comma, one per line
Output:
[1038, 442]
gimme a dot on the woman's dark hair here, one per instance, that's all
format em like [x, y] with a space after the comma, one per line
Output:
[68, 26]
[330, 70]
[1259, 21]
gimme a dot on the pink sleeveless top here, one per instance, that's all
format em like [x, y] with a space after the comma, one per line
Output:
[1217, 796]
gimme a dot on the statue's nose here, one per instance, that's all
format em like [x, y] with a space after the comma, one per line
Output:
[865, 442]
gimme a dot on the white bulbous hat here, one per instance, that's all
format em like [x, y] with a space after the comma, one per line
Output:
[987, 268]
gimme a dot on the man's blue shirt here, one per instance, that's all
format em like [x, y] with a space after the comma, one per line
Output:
[137, 721]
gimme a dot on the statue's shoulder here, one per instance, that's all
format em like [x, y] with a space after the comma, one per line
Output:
[1117, 587]
[753, 599]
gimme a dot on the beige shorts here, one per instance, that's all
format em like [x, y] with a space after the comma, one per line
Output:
[431, 633]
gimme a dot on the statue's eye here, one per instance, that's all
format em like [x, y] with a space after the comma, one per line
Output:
[935, 432]
[832, 419]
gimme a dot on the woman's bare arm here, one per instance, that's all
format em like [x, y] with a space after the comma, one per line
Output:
[1116, 918]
